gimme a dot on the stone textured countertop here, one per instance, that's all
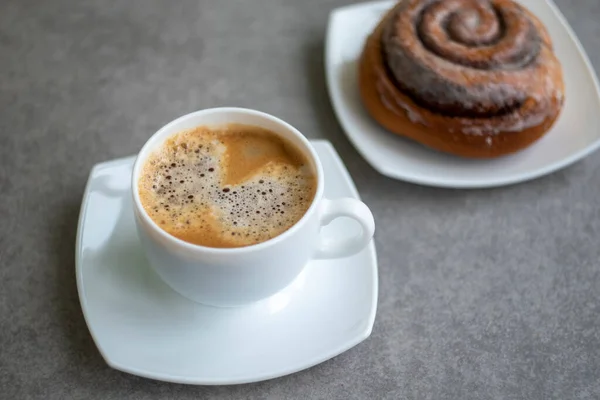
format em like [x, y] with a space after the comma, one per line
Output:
[484, 294]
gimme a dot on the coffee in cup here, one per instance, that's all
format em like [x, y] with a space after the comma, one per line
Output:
[226, 186]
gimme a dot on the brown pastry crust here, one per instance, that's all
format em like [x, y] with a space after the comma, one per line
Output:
[468, 77]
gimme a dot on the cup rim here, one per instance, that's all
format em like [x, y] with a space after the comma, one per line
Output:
[152, 142]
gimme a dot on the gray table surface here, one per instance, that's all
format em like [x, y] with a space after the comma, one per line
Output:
[486, 294]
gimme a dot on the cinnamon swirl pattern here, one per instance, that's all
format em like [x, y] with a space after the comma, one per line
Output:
[476, 78]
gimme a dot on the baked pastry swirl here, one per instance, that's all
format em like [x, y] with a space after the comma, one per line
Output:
[475, 78]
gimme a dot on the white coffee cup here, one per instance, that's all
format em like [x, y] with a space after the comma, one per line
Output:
[237, 276]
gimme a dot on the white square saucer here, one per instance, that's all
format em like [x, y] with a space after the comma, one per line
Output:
[575, 135]
[141, 326]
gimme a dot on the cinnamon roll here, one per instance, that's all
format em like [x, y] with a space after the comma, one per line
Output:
[475, 78]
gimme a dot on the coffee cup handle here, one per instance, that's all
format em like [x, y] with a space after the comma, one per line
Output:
[343, 247]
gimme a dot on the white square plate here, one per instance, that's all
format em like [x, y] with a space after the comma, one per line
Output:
[575, 135]
[143, 327]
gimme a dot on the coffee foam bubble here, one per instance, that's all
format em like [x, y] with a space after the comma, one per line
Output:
[228, 187]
